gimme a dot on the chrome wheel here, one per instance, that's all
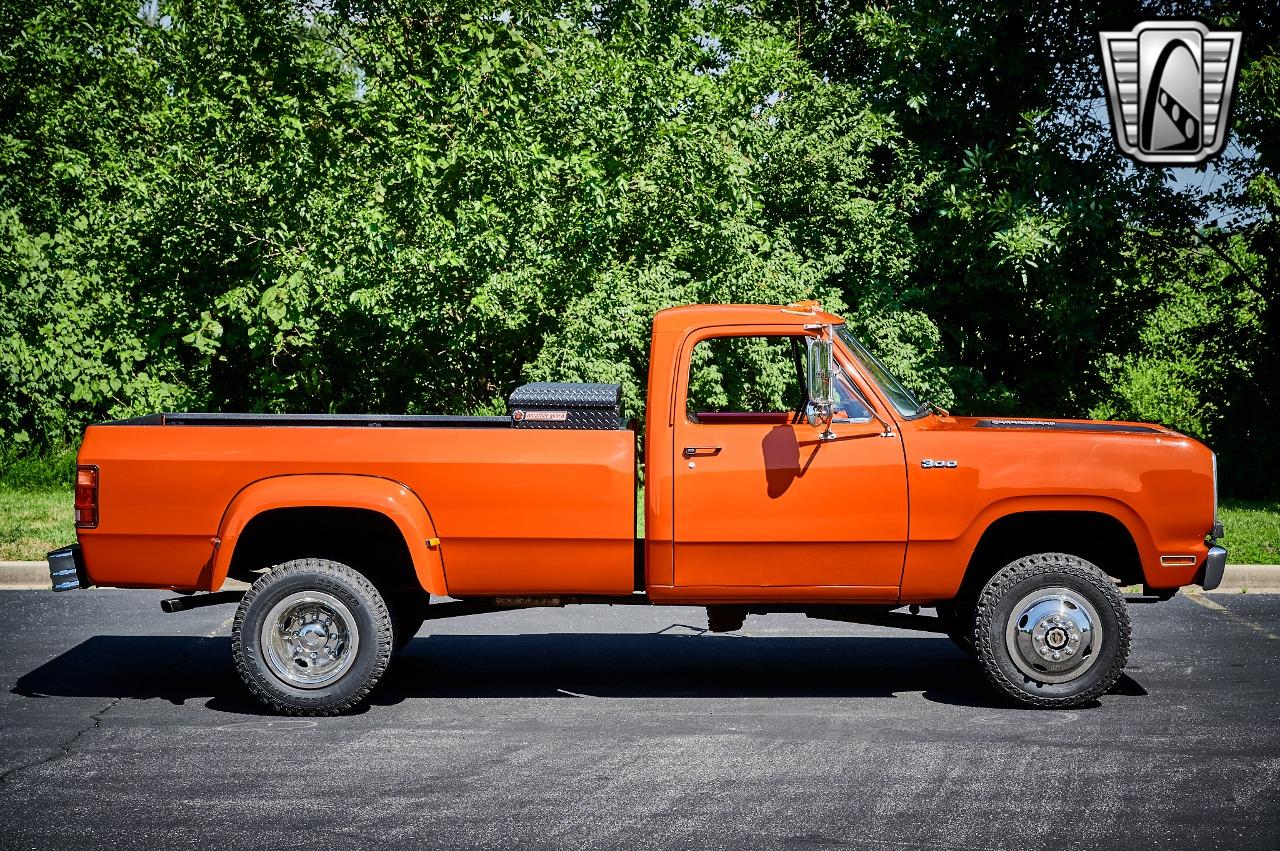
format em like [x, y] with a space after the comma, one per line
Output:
[309, 639]
[1053, 635]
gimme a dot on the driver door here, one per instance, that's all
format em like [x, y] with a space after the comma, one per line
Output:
[759, 501]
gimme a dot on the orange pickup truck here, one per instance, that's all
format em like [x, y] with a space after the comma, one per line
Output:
[785, 470]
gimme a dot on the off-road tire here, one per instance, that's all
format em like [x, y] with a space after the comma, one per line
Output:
[1046, 570]
[371, 619]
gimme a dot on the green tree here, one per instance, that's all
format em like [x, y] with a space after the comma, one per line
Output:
[409, 207]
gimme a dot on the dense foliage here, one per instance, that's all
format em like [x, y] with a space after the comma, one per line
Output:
[399, 207]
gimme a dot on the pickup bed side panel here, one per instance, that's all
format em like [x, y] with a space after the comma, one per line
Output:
[517, 511]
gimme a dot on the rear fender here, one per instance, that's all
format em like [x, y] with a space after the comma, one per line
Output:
[387, 497]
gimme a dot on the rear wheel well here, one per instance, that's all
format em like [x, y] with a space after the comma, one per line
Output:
[364, 540]
[1090, 535]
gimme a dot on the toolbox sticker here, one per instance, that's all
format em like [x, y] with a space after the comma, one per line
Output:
[540, 416]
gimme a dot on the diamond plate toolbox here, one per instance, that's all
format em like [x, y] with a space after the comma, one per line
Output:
[562, 404]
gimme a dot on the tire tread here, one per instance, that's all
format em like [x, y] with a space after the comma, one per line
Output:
[985, 630]
[253, 678]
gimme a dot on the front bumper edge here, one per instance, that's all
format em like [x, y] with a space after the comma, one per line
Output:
[1215, 564]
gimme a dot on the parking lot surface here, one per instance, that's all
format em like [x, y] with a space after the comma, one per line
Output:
[630, 728]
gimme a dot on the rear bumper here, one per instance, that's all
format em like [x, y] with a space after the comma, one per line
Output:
[1215, 564]
[66, 568]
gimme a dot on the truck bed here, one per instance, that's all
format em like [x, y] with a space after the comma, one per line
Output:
[517, 511]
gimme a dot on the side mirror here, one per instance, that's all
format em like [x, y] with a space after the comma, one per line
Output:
[821, 369]
[820, 376]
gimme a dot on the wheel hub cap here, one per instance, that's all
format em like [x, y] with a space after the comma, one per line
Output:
[309, 639]
[1053, 635]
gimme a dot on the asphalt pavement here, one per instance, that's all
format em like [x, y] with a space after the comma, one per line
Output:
[630, 728]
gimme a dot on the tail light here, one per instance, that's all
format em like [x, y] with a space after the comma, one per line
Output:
[86, 496]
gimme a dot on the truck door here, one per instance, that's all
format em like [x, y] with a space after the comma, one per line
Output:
[759, 501]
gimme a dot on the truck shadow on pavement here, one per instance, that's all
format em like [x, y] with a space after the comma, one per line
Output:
[572, 665]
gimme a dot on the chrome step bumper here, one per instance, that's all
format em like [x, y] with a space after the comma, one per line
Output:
[66, 568]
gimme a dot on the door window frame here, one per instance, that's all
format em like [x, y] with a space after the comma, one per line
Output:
[680, 406]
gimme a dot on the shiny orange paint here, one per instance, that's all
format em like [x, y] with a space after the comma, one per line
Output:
[334, 490]
[802, 512]
[517, 511]
[767, 513]
[1159, 486]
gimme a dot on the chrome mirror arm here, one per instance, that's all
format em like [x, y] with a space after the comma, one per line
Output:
[888, 430]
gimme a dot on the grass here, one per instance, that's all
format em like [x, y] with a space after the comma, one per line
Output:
[35, 503]
[35, 517]
[1253, 531]
[34, 521]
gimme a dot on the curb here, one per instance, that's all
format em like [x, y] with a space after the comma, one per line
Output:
[24, 575]
[1262, 578]
[34, 576]
[1254, 578]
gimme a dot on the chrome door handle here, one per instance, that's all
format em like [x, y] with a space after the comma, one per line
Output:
[697, 451]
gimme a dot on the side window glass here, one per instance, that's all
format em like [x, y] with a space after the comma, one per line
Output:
[745, 375]
[849, 405]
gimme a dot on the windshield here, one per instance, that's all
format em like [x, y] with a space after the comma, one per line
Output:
[900, 397]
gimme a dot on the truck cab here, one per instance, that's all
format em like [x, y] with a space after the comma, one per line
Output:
[748, 497]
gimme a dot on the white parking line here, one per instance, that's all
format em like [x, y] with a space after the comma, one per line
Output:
[1202, 600]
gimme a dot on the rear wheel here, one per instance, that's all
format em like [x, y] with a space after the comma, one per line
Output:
[312, 637]
[1051, 630]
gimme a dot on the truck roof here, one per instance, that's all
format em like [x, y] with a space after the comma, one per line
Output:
[680, 318]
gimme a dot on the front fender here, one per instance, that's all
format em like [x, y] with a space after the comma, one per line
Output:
[317, 490]
[1105, 505]
[935, 568]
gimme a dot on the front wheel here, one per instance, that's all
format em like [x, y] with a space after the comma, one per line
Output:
[312, 637]
[1051, 630]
